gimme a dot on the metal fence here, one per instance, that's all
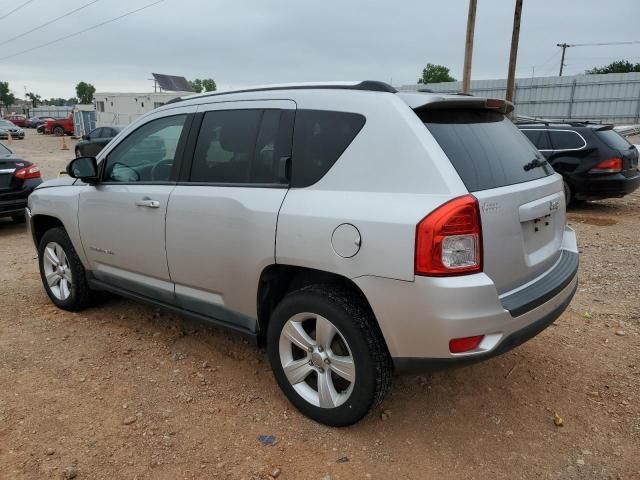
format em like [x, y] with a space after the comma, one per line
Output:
[614, 97]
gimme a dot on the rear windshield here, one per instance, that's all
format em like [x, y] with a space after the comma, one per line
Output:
[613, 139]
[486, 149]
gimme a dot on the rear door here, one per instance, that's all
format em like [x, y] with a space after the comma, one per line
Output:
[521, 200]
[221, 220]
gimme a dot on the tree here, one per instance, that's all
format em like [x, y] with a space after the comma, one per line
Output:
[6, 97]
[203, 85]
[209, 84]
[85, 92]
[435, 74]
[35, 99]
[619, 66]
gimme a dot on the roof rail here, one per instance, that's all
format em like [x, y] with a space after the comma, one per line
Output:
[366, 85]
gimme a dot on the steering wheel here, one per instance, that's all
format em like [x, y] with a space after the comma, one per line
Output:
[161, 171]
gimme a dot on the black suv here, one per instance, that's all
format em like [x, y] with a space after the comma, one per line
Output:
[594, 160]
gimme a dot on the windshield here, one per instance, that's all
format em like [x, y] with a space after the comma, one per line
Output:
[6, 123]
[4, 150]
[613, 139]
[487, 149]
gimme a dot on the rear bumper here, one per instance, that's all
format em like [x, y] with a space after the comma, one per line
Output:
[419, 318]
[605, 186]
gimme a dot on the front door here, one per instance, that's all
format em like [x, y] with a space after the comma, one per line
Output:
[222, 216]
[122, 219]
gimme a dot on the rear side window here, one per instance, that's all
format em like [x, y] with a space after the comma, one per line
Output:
[320, 137]
[539, 138]
[241, 146]
[613, 139]
[566, 140]
[487, 150]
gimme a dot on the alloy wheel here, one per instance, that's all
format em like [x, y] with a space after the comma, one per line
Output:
[57, 271]
[317, 360]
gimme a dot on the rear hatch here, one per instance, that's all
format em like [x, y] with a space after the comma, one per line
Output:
[521, 201]
[628, 152]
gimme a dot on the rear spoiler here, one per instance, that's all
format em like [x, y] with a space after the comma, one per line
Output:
[420, 102]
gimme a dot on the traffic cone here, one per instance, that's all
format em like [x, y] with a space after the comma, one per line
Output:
[9, 139]
[64, 144]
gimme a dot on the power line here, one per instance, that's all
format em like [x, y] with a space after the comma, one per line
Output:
[16, 9]
[597, 44]
[82, 31]
[48, 23]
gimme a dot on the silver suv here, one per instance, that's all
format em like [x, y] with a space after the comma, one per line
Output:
[352, 229]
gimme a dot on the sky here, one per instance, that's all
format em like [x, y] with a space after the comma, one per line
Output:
[250, 42]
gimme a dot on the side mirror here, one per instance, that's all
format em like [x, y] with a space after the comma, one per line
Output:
[84, 168]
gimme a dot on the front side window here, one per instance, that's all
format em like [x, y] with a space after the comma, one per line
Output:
[147, 154]
[240, 146]
[97, 133]
[566, 140]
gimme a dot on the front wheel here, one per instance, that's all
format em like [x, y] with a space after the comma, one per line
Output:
[328, 355]
[62, 272]
[18, 218]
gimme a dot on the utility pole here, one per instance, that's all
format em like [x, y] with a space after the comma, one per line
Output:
[564, 47]
[515, 37]
[468, 47]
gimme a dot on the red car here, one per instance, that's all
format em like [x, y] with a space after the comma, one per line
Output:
[59, 126]
[17, 120]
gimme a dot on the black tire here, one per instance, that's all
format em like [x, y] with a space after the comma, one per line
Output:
[78, 154]
[58, 131]
[567, 193]
[18, 218]
[355, 322]
[81, 295]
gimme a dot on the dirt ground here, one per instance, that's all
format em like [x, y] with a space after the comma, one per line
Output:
[124, 391]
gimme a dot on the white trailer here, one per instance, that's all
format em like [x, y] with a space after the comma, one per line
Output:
[120, 109]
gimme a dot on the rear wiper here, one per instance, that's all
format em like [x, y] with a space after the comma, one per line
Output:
[536, 162]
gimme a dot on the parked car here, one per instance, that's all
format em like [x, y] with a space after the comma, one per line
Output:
[17, 120]
[6, 128]
[350, 228]
[60, 126]
[35, 122]
[94, 141]
[18, 178]
[594, 160]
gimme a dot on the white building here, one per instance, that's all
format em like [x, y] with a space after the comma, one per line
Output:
[120, 109]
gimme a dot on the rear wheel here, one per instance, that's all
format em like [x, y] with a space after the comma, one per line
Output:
[567, 193]
[61, 270]
[58, 131]
[328, 355]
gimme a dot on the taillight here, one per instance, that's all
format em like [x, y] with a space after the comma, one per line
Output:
[449, 239]
[26, 173]
[611, 165]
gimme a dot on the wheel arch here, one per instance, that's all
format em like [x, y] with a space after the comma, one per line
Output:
[276, 280]
[40, 224]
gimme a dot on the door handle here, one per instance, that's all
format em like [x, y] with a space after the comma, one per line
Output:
[147, 202]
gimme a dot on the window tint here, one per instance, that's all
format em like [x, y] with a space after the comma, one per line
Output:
[565, 140]
[97, 133]
[241, 146]
[320, 138]
[614, 139]
[147, 154]
[539, 138]
[486, 149]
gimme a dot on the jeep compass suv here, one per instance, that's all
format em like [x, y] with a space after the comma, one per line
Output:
[350, 228]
